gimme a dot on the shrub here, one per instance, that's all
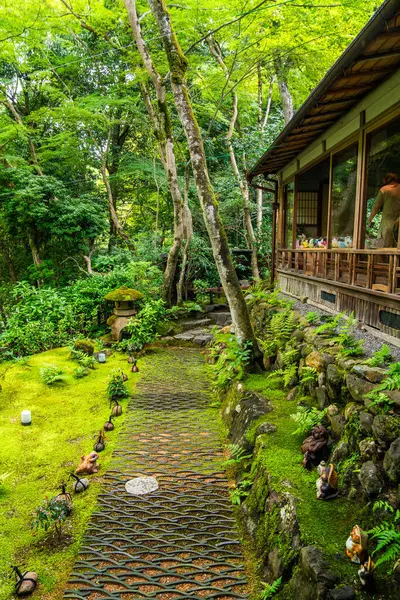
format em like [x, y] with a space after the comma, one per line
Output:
[51, 514]
[143, 327]
[307, 418]
[51, 374]
[116, 387]
[86, 346]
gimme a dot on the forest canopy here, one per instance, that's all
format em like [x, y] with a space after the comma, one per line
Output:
[95, 166]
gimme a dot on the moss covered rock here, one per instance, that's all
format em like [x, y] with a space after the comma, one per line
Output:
[124, 294]
[85, 345]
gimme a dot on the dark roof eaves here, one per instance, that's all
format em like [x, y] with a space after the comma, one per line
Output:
[374, 26]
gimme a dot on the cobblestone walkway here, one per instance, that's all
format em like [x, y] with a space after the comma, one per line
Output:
[180, 541]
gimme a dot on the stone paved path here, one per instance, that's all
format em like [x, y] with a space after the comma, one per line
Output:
[180, 541]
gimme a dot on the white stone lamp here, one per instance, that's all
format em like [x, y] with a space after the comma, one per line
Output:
[26, 417]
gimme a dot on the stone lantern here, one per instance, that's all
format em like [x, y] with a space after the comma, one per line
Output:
[124, 299]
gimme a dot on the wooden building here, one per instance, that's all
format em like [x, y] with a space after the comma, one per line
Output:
[336, 162]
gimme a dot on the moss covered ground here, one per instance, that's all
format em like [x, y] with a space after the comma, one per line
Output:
[326, 524]
[65, 419]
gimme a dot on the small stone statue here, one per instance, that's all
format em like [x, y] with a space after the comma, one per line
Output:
[88, 464]
[366, 576]
[327, 484]
[315, 447]
[356, 546]
[26, 582]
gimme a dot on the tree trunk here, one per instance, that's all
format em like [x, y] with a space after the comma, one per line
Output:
[219, 243]
[243, 186]
[111, 208]
[162, 126]
[287, 101]
[88, 257]
[188, 233]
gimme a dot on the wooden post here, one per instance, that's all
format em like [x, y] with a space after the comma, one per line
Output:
[329, 225]
[275, 207]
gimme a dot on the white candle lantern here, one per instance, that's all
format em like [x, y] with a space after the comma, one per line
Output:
[26, 417]
[101, 357]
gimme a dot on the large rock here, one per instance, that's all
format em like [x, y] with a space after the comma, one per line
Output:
[368, 449]
[322, 396]
[334, 381]
[266, 428]
[385, 430]
[366, 420]
[313, 578]
[370, 479]
[336, 420]
[373, 374]
[344, 592]
[391, 462]
[358, 387]
[316, 361]
[250, 407]
[340, 452]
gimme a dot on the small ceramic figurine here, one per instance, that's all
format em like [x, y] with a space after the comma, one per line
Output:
[356, 545]
[348, 242]
[315, 447]
[335, 243]
[311, 243]
[342, 244]
[366, 576]
[88, 464]
[297, 243]
[321, 243]
[327, 484]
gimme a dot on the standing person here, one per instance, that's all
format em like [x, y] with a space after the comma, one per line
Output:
[388, 200]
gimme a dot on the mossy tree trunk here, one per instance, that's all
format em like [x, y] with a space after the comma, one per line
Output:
[219, 242]
[161, 121]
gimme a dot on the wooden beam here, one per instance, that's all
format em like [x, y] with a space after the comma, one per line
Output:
[357, 89]
[386, 35]
[329, 113]
[369, 73]
[323, 103]
[379, 56]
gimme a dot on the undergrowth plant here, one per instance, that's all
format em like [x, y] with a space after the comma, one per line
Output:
[380, 357]
[51, 514]
[270, 589]
[306, 418]
[387, 536]
[143, 327]
[51, 374]
[237, 455]
[232, 363]
[312, 317]
[391, 382]
[116, 387]
[241, 491]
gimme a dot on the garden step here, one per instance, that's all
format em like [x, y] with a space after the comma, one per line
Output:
[194, 323]
[221, 318]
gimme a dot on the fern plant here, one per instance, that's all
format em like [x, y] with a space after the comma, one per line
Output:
[312, 317]
[307, 417]
[270, 589]
[330, 325]
[380, 357]
[387, 535]
[309, 376]
[237, 455]
[241, 491]
[51, 374]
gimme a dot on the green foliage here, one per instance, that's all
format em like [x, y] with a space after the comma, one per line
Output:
[51, 514]
[232, 363]
[270, 589]
[309, 375]
[116, 387]
[86, 361]
[387, 535]
[200, 286]
[391, 382]
[241, 491]
[307, 417]
[312, 317]
[143, 327]
[237, 455]
[330, 325]
[80, 372]
[286, 375]
[51, 374]
[281, 327]
[380, 357]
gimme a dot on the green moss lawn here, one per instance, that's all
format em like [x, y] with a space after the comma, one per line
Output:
[65, 419]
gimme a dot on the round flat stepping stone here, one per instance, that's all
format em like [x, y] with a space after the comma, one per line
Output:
[140, 486]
